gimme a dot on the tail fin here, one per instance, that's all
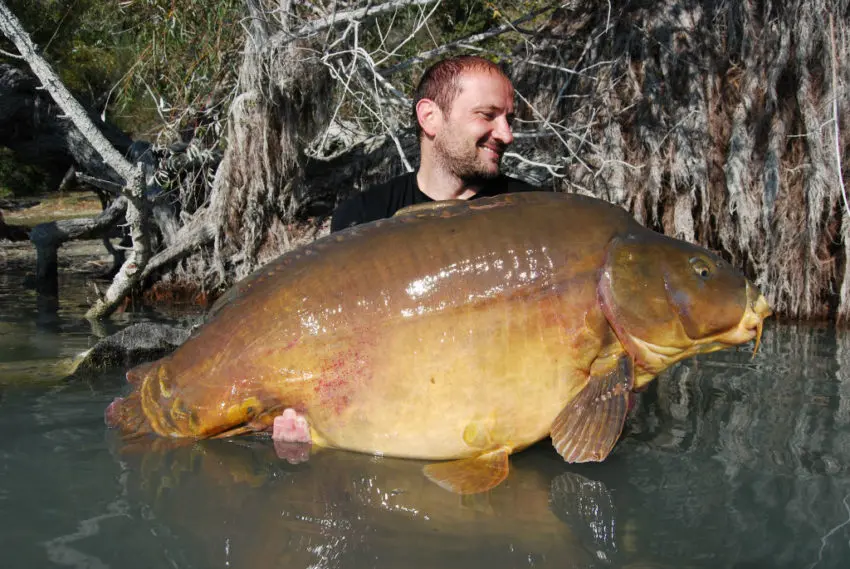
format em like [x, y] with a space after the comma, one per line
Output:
[127, 415]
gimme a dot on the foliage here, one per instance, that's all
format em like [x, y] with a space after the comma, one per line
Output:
[80, 38]
[183, 66]
[18, 179]
[151, 63]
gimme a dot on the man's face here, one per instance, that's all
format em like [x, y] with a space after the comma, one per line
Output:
[477, 130]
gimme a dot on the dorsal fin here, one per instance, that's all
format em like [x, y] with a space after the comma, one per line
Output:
[427, 207]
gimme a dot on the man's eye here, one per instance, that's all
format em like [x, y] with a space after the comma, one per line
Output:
[486, 115]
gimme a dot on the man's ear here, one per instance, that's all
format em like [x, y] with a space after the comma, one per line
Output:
[429, 115]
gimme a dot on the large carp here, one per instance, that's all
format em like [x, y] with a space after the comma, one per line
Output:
[459, 331]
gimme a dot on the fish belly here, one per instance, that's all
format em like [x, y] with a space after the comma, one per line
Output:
[453, 385]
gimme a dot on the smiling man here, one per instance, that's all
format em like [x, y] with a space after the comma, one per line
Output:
[463, 108]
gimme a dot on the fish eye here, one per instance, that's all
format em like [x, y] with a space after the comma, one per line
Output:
[701, 267]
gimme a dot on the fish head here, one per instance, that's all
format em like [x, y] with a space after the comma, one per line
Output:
[667, 299]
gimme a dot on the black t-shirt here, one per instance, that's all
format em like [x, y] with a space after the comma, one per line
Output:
[385, 199]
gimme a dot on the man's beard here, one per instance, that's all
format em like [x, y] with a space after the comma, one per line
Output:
[464, 162]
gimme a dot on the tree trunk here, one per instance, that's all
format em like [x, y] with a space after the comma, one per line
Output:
[282, 102]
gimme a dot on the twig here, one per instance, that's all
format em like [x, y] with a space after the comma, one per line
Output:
[511, 59]
[475, 38]
[10, 54]
[105, 185]
[550, 167]
[396, 141]
[360, 14]
[346, 86]
[835, 115]
[549, 125]
[411, 35]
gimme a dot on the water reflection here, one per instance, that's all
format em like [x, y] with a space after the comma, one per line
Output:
[343, 509]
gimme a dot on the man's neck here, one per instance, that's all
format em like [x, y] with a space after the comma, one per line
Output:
[438, 185]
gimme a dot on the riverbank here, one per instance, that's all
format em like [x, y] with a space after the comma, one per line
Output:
[30, 211]
[82, 256]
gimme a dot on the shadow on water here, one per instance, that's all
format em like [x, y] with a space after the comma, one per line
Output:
[726, 462]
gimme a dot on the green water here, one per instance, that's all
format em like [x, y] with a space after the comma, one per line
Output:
[729, 462]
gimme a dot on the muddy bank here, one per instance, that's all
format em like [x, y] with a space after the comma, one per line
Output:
[22, 214]
[87, 256]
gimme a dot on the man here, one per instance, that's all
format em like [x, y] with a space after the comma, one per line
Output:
[462, 108]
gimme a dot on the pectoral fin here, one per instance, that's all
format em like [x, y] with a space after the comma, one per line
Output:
[589, 426]
[471, 475]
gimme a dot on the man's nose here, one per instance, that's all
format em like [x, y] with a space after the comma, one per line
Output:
[502, 132]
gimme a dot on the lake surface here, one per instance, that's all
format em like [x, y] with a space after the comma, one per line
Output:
[728, 462]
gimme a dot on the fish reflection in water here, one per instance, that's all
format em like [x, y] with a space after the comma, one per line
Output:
[727, 462]
[342, 509]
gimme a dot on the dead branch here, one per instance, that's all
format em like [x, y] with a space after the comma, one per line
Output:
[359, 15]
[472, 39]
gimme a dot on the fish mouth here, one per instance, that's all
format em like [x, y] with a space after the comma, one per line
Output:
[653, 358]
[751, 324]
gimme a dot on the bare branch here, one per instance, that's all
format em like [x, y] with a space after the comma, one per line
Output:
[475, 38]
[552, 168]
[360, 14]
[511, 59]
[835, 115]
[411, 35]
[10, 54]
[554, 130]
[105, 185]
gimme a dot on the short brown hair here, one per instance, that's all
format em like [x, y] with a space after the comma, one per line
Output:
[441, 81]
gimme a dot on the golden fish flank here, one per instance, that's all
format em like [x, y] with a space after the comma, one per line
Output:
[459, 347]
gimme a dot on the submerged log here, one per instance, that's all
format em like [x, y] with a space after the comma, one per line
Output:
[135, 344]
[48, 237]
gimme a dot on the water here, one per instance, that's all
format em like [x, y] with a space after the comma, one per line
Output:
[729, 462]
